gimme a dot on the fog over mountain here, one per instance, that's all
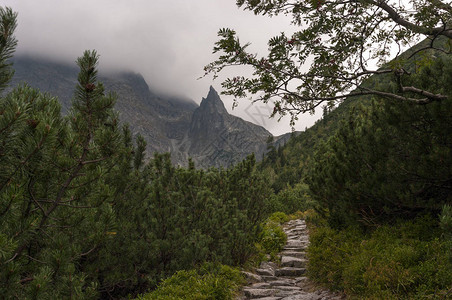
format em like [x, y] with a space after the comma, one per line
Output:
[168, 42]
[207, 133]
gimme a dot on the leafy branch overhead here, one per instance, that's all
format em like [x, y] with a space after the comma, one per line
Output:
[338, 46]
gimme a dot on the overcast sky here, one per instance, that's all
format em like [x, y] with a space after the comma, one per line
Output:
[167, 41]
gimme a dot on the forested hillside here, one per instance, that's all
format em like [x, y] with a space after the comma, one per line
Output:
[383, 136]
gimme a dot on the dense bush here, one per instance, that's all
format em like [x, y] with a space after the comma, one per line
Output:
[209, 282]
[278, 217]
[292, 199]
[391, 160]
[214, 281]
[196, 216]
[403, 261]
[273, 237]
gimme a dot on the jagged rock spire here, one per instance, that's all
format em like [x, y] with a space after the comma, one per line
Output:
[213, 103]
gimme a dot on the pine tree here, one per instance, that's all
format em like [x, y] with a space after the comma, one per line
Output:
[55, 208]
[8, 44]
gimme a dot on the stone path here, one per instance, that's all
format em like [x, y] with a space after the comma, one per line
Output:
[286, 281]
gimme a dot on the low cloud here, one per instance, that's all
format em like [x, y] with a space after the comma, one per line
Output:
[167, 41]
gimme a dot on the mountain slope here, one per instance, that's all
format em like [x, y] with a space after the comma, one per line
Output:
[157, 119]
[291, 162]
[207, 133]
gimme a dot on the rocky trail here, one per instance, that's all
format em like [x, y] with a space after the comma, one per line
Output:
[286, 280]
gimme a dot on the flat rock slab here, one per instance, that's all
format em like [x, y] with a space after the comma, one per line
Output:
[265, 272]
[291, 248]
[290, 261]
[297, 230]
[261, 285]
[283, 281]
[269, 278]
[303, 296]
[295, 233]
[325, 295]
[290, 272]
[295, 243]
[259, 293]
[298, 254]
[268, 265]
[286, 293]
[287, 288]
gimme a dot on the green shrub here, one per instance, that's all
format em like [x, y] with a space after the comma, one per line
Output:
[292, 199]
[273, 239]
[278, 218]
[329, 253]
[312, 217]
[211, 281]
[296, 215]
[403, 261]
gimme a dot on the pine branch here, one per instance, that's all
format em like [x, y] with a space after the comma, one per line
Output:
[8, 44]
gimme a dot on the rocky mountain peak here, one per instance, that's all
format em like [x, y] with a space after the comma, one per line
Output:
[213, 103]
[216, 138]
